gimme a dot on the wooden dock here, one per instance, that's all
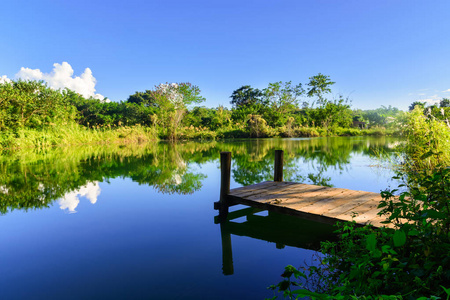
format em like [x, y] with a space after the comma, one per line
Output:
[312, 202]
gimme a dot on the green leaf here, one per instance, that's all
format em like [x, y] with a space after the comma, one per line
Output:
[371, 242]
[426, 155]
[399, 238]
[385, 248]
[413, 232]
[298, 274]
[447, 290]
[377, 253]
[284, 285]
[434, 214]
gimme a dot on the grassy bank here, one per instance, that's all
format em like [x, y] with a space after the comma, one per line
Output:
[66, 135]
[73, 134]
[200, 133]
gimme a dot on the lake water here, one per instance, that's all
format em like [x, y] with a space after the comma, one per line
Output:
[137, 221]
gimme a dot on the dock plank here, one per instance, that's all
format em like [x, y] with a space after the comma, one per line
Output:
[254, 190]
[333, 202]
[311, 201]
[347, 207]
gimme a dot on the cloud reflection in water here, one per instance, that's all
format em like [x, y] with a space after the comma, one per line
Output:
[71, 200]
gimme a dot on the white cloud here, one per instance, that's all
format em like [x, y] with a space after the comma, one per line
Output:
[446, 91]
[4, 79]
[431, 100]
[62, 77]
[71, 200]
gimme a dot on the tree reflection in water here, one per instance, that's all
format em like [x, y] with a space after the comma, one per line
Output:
[34, 179]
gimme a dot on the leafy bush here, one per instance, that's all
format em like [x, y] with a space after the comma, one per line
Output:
[32, 104]
[306, 132]
[196, 133]
[428, 141]
[408, 261]
[347, 131]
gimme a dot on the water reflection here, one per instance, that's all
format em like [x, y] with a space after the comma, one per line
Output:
[71, 200]
[34, 179]
[282, 230]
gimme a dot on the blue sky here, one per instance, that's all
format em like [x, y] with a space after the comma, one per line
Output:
[378, 52]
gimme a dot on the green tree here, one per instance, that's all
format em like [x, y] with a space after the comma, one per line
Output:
[282, 99]
[416, 103]
[172, 101]
[445, 102]
[221, 118]
[318, 86]
[246, 96]
[257, 126]
[335, 113]
[146, 98]
[383, 116]
[32, 104]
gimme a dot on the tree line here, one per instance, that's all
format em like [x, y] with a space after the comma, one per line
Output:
[173, 111]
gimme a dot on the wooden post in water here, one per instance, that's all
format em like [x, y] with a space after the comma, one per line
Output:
[225, 174]
[278, 170]
[227, 250]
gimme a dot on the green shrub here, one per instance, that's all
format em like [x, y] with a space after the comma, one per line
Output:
[234, 134]
[428, 141]
[409, 261]
[306, 132]
[196, 133]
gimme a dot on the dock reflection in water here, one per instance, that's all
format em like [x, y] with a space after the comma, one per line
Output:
[282, 230]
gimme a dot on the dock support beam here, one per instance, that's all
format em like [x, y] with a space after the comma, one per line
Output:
[278, 170]
[225, 175]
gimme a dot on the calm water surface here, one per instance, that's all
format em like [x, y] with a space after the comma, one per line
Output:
[137, 221]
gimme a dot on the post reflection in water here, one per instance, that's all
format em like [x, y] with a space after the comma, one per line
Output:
[282, 230]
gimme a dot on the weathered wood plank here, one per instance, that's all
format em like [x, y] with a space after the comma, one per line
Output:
[368, 216]
[251, 190]
[312, 202]
[333, 201]
[346, 208]
[303, 198]
[278, 192]
[359, 210]
[255, 186]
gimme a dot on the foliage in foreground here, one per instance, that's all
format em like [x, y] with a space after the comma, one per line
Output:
[428, 136]
[410, 261]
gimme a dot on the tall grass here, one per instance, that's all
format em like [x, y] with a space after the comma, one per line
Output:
[73, 134]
